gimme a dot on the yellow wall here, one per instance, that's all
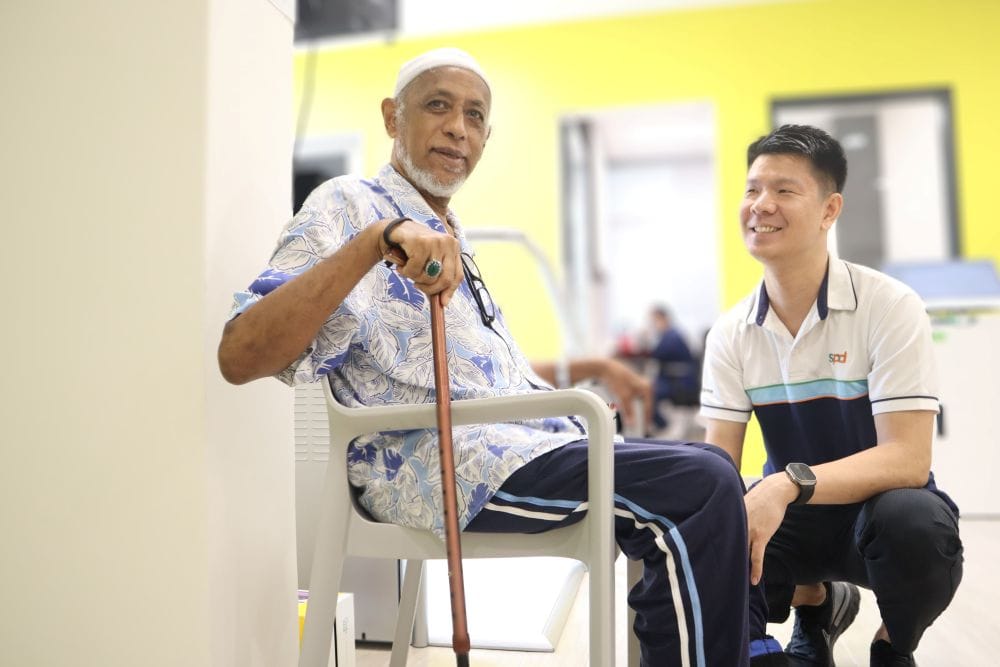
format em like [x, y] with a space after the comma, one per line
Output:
[738, 58]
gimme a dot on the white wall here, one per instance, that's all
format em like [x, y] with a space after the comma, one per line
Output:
[132, 481]
[250, 460]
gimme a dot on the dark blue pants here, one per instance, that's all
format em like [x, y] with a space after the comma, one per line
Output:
[902, 544]
[678, 508]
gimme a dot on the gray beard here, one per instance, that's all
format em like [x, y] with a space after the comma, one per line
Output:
[422, 179]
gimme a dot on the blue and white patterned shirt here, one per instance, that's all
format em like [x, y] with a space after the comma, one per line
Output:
[376, 350]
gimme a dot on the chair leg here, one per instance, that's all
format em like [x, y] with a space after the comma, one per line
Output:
[407, 610]
[324, 581]
[421, 636]
[633, 573]
[321, 611]
[602, 615]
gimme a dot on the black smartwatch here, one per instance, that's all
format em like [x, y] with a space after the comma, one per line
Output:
[802, 476]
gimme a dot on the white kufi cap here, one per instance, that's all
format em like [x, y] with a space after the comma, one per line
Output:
[444, 57]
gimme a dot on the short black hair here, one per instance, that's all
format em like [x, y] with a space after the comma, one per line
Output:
[661, 310]
[823, 151]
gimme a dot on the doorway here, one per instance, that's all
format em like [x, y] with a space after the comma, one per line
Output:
[639, 222]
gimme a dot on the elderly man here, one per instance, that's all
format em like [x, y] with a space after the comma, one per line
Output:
[331, 305]
[835, 360]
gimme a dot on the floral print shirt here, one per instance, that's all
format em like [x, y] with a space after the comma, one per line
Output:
[375, 349]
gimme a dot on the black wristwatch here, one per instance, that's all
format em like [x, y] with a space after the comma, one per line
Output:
[802, 476]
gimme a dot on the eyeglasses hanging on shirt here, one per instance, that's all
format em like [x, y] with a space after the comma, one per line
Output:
[487, 310]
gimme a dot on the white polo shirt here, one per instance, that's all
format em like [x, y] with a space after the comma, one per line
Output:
[864, 348]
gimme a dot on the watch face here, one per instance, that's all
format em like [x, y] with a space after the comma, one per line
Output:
[801, 473]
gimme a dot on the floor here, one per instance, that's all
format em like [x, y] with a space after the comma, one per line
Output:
[966, 635]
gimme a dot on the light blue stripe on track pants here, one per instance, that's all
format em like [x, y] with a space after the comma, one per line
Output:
[679, 508]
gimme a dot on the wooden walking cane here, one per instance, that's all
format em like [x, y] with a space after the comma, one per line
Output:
[453, 544]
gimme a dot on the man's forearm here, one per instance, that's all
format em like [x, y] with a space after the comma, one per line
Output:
[901, 459]
[728, 436]
[272, 333]
[860, 476]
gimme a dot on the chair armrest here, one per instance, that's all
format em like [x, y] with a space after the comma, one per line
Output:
[348, 423]
[473, 411]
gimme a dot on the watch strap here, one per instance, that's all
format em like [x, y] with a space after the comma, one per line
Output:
[805, 493]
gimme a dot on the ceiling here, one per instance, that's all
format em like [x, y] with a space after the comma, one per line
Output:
[425, 18]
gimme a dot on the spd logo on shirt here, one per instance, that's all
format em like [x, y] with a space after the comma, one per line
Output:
[838, 358]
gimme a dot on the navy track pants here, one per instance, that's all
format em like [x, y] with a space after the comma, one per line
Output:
[678, 508]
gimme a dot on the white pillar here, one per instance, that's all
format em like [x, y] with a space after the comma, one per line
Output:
[146, 508]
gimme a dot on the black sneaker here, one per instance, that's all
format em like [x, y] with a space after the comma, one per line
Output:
[817, 628]
[883, 655]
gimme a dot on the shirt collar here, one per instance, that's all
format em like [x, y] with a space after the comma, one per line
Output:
[841, 293]
[836, 292]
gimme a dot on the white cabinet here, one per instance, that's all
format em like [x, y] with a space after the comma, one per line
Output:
[966, 449]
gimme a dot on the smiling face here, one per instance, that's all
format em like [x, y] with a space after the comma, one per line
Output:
[439, 130]
[786, 210]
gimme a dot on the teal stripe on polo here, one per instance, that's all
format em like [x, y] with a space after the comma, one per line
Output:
[807, 391]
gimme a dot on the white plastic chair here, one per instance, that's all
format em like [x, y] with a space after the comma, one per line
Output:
[345, 530]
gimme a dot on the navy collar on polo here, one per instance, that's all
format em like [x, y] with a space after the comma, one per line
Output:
[836, 291]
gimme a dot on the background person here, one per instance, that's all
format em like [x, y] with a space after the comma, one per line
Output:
[677, 369]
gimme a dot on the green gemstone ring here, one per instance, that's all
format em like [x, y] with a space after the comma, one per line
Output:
[432, 268]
